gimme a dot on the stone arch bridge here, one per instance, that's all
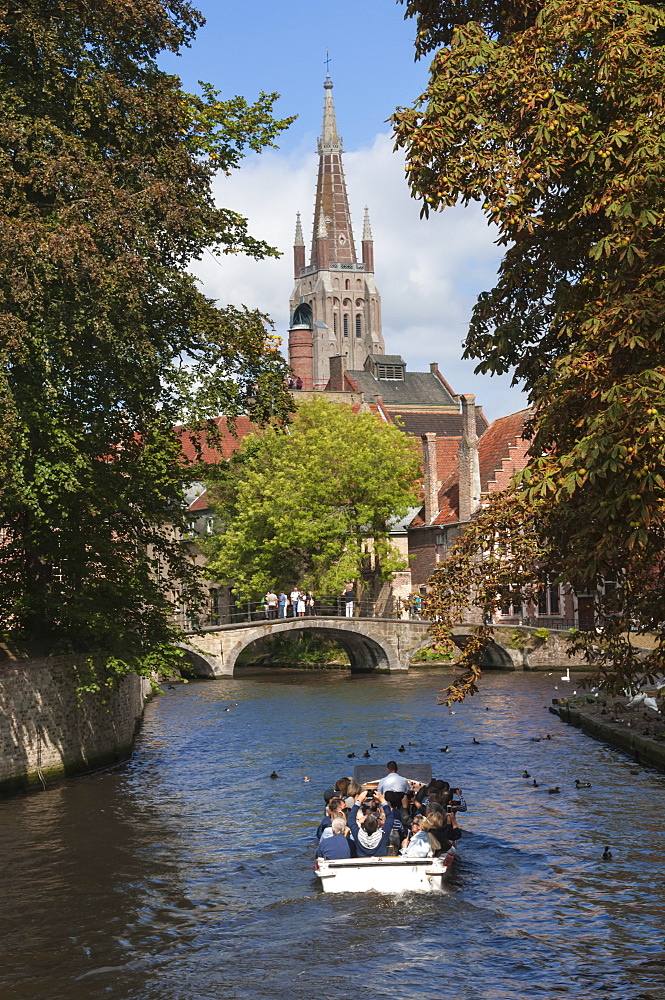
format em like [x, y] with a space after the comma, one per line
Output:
[372, 644]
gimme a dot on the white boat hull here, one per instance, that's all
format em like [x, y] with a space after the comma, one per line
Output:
[383, 874]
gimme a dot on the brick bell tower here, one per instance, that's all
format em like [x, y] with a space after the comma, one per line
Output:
[335, 306]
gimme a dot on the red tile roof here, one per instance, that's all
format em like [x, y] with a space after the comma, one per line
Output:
[228, 444]
[501, 453]
[202, 502]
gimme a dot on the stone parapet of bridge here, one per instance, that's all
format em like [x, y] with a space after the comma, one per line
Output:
[372, 644]
[376, 644]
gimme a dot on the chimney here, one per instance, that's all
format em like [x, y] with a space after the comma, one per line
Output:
[469, 469]
[430, 481]
[433, 367]
[298, 248]
[337, 369]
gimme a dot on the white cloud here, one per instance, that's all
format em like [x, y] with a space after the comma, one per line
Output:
[429, 272]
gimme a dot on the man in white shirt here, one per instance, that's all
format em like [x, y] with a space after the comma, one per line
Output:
[393, 782]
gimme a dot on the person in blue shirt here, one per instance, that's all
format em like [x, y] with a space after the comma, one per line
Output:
[336, 847]
[370, 837]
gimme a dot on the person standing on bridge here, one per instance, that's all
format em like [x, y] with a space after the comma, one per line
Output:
[271, 605]
[283, 602]
[301, 606]
[293, 596]
[309, 603]
[348, 597]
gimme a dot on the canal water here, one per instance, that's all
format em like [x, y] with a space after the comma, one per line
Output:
[187, 874]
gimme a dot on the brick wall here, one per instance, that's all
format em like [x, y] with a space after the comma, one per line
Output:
[44, 727]
[422, 554]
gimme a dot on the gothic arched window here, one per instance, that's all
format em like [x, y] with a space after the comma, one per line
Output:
[347, 283]
[346, 325]
[359, 325]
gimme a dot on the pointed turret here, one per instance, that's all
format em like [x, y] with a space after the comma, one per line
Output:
[298, 248]
[368, 243]
[332, 204]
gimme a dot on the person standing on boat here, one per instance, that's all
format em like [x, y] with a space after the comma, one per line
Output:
[369, 836]
[393, 782]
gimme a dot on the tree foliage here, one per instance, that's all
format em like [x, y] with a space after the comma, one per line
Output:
[552, 116]
[105, 339]
[306, 504]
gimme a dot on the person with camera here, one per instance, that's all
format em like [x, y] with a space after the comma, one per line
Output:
[371, 833]
[418, 843]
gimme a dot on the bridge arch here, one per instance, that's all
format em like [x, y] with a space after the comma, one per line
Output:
[366, 652]
[203, 664]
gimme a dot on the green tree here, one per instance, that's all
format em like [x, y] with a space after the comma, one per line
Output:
[105, 339]
[306, 504]
[552, 116]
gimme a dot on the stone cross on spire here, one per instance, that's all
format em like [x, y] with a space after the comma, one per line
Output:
[331, 211]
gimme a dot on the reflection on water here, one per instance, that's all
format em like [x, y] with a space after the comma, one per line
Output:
[188, 874]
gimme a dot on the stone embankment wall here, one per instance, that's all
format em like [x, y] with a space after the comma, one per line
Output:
[46, 732]
[637, 731]
[529, 652]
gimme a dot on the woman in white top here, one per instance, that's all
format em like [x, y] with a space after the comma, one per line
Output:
[419, 845]
[301, 605]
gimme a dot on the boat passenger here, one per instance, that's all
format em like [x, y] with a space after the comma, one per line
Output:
[327, 830]
[418, 845]
[332, 807]
[354, 789]
[436, 832]
[458, 804]
[401, 820]
[393, 782]
[336, 847]
[370, 837]
[342, 787]
[451, 830]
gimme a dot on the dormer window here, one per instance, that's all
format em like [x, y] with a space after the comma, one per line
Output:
[391, 373]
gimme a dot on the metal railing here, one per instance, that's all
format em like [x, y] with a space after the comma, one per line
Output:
[346, 384]
[552, 622]
[244, 611]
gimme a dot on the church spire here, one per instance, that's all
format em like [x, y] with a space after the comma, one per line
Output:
[367, 228]
[299, 241]
[298, 248]
[332, 205]
[330, 138]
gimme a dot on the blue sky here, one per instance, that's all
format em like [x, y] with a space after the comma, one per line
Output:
[428, 272]
[257, 45]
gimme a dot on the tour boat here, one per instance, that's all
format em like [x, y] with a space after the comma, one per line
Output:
[386, 874]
